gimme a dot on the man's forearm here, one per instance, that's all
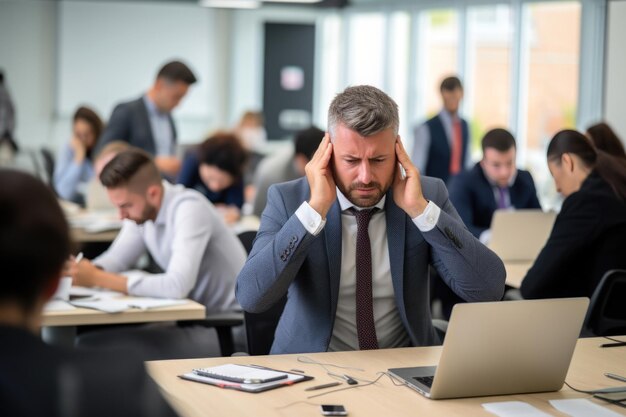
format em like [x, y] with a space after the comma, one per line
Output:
[110, 280]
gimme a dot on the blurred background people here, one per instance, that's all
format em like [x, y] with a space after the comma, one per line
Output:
[216, 168]
[286, 165]
[589, 234]
[95, 196]
[8, 146]
[493, 183]
[39, 379]
[605, 139]
[441, 145]
[251, 131]
[74, 164]
[147, 123]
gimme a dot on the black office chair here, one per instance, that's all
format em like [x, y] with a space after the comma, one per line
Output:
[606, 315]
[247, 239]
[260, 328]
[224, 322]
[48, 163]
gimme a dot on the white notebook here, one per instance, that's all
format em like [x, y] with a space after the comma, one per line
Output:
[241, 373]
[117, 305]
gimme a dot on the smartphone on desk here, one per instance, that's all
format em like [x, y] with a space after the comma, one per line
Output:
[333, 410]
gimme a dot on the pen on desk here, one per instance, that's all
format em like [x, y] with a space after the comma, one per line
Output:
[316, 387]
[616, 377]
[616, 344]
[79, 257]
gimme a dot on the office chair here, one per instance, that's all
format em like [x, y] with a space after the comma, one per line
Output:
[606, 315]
[48, 164]
[260, 328]
[224, 322]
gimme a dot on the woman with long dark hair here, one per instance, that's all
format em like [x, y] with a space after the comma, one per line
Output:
[74, 165]
[589, 235]
[605, 139]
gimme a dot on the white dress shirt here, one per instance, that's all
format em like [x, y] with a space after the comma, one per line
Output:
[390, 331]
[189, 240]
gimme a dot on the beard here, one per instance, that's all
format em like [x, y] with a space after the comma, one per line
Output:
[365, 195]
[149, 213]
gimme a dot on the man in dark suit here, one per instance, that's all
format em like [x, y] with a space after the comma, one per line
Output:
[37, 379]
[351, 242]
[441, 144]
[494, 183]
[147, 123]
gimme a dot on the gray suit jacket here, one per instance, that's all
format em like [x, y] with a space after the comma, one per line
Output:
[130, 122]
[287, 259]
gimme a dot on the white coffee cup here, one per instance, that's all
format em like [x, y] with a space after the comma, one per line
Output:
[63, 291]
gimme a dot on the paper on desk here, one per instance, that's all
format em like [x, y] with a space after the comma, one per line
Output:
[58, 305]
[581, 407]
[103, 226]
[101, 293]
[514, 409]
[117, 305]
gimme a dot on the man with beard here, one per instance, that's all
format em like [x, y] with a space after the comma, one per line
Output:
[352, 241]
[180, 228]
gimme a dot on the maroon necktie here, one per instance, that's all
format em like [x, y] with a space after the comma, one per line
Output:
[366, 330]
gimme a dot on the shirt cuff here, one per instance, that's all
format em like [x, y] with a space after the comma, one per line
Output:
[429, 218]
[310, 219]
[485, 237]
[134, 277]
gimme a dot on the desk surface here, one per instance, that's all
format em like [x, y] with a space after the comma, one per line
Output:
[84, 316]
[382, 399]
[80, 235]
[516, 271]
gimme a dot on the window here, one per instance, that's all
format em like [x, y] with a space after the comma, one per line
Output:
[487, 79]
[437, 52]
[398, 73]
[549, 83]
[366, 49]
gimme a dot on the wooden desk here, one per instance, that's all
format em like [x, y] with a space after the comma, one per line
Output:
[79, 235]
[84, 316]
[80, 219]
[516, 271]
[382, 399]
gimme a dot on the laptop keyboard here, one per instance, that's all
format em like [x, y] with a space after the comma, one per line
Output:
[425, 380]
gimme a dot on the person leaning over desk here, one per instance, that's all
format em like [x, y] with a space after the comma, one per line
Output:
[309, 239]
[179, 227]
[589, 234]
[37, 379]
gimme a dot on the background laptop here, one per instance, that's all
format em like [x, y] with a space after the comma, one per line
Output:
[519, 235]
[505, 347]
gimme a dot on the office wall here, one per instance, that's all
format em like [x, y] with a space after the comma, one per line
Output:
[246, 84]
[110, 52]
[27, 56]
[615, 84]
[59, 55]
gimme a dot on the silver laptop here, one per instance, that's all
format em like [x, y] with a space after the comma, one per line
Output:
[518, 236]
[498, 348]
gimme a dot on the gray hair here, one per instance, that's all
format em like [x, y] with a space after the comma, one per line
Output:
[363, 109]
